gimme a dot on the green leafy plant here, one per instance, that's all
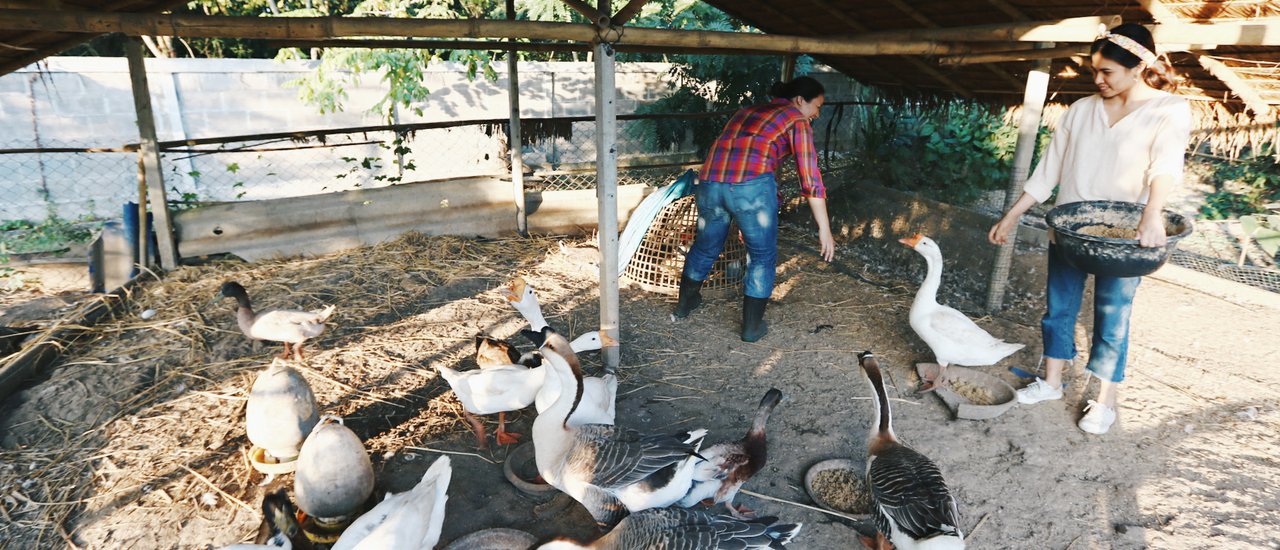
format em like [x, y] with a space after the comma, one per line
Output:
[53, 234]
[1265, 230]
[1243, 186]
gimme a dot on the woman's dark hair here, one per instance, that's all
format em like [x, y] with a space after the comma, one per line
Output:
[1158, 75]
[802, 86]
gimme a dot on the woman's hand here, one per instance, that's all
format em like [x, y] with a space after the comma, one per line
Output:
[1151, 230]
[827, 243]
[999, 233]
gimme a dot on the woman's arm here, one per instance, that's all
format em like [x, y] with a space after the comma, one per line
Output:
[999, 233]
[1151, 228]
[825, 240]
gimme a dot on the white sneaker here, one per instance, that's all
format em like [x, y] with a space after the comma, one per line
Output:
[1098, 418]
[1039, 391]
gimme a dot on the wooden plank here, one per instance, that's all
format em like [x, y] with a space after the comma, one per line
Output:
[149, 151]
[46, 349]
[185, 25]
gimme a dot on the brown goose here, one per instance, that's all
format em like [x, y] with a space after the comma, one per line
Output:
[913, 507]
[731, 464]
[681, 529]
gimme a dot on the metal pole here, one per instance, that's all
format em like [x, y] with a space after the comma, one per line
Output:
[1028, 127]
[514, 150]
[150, 154]
[607, 194]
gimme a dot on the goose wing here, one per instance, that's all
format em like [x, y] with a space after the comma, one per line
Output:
[681, 529]
[618, 458]
[961, 334]
[908, 491]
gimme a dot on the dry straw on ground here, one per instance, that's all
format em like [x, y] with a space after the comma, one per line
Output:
[100, 433]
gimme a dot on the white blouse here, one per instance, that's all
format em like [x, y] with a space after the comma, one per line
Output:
[1088, 159]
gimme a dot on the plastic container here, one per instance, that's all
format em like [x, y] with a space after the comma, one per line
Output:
[1115, 257]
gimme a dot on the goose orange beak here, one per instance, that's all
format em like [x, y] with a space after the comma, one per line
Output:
[913, 241]
[515, 290]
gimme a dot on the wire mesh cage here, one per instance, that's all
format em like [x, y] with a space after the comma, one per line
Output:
[659, 261]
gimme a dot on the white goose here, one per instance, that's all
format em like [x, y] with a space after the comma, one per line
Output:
[498, 389]
[608, 470]
[954, 338]
[914, 509]
[411, 520]
[599, 394]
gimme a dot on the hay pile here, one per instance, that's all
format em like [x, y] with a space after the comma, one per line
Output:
[146, 414]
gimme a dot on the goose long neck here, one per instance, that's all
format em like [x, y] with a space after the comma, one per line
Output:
[932, 279]
[882, 417]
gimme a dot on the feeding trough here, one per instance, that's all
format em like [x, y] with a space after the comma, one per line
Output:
[499, 538]
[521, 469]
[971, 394]
[839, 485]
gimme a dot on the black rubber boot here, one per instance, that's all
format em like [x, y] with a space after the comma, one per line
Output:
[690, 297]
[754, 326]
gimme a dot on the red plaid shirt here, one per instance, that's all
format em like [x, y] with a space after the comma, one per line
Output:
[757, 139]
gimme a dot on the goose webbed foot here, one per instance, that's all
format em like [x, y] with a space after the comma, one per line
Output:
[739, 511]
[931, 383]
[482, 442]
[502, 435]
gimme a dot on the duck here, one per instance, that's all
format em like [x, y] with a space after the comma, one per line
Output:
[954, 338]
[491, 352]
[11, 338]
[913, 507]
[501, 388]
[729, 465]
[411, 520]
[520, 295]
[279, 528]
[610, 471]
[681, 529]
[281, 411]
[599, 394]
[286, 326]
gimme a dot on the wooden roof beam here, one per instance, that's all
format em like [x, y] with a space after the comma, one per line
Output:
[1240, 87]
[588, 11]
[1053, 52]
[1075, 29]
[927, 22]
[492, 45]
[311, 28]
[628, 11]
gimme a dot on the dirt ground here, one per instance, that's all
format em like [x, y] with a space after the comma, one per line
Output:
[136, 439]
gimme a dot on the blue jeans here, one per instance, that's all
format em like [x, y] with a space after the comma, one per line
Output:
[754, 205]
[1112, 304]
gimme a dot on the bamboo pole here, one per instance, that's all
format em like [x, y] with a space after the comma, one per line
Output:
[607, 195]
[597, 17]
[150, 153]
[1075, 29]
[514, 149]
[1055, 52]
[627, 12]
[1028, 128]
[388, 43]
[185, 25]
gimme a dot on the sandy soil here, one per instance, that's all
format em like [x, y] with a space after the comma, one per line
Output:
[136, 440]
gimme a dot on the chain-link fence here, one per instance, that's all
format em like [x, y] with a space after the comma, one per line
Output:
[57, 196]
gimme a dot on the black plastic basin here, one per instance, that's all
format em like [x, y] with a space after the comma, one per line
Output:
[1111, 256]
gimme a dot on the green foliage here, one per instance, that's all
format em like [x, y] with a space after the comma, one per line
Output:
[954, 152]
[53, 234]
[1244, 186]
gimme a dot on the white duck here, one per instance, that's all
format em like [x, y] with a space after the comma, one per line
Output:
[954, 338]
[608, 470]
[520, 294]
[411, 520]
[498, 389]
[599, 394]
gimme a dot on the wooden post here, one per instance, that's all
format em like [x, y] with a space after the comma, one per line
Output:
[788, 67]
[1028, 129]
[514, 150]
[150, 154]
[607, 194]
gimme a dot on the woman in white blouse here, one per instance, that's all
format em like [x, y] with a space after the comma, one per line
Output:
[1126, 143]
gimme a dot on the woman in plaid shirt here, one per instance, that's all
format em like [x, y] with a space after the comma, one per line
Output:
[737, 184]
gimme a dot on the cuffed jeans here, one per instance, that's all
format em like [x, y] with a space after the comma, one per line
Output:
[753, 204]
[1112, 304]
